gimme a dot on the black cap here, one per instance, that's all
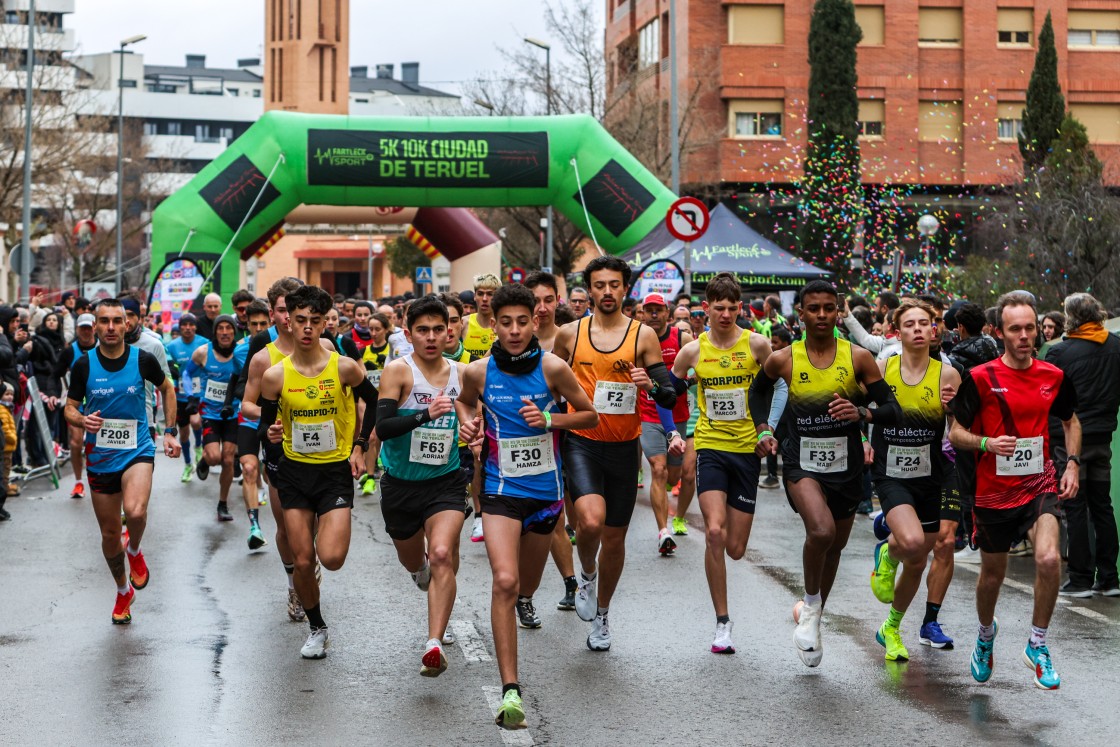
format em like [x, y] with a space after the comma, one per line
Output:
[188, 318]
[467, 297]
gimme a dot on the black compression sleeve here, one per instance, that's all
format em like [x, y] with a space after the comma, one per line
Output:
[269, 410]
[366, 391]
[758, 398]
[663, 394]
[391, 425]
[888, 412]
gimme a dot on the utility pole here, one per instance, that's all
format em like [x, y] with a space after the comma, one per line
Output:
[25, 239]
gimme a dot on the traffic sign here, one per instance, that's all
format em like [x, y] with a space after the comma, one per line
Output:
[516, 275]
[687, 219]
[424, 275]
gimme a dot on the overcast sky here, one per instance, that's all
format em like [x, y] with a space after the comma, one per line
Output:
[453, 40]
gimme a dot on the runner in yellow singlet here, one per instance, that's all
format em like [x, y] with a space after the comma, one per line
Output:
[478, 329]
[822, 458]
[726, 360]
[312, 391]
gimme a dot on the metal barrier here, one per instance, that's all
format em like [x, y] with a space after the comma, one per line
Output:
[50, 469]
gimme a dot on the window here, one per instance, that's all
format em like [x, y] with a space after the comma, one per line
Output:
[755, 118]
[870, 20]
[939, 121]
[939, 26]
[1094, 28]
[151, 128]
[174, 128]
[1015, 25]
[1102, 121]
[870, 123]
[256, 93]
[233, 91]
[1009, 121]
[649, 44]
[756, 24]
[226, 133]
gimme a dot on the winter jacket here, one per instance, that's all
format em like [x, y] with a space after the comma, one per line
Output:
[1094, 370]
[9, 368]
[8, 423]
[970, 353]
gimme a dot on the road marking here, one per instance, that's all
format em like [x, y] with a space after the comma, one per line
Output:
[1065, 602]
[1091, 614]
[493, 695]
[469, 640]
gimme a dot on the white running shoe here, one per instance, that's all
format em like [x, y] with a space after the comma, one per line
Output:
[434, 662]
[600, 638]
[665, 543]
[476, 530]
[966, 555]
[722, 644]
[448, 637]
[316, 645]
[422, 577]
[807, 634]
[587, 601]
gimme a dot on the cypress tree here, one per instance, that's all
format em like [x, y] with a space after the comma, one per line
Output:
[1046, 107]
[831, 193]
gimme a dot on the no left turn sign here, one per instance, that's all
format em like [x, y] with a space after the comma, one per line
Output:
[687, 219]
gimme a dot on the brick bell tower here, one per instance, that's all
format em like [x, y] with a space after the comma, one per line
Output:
[307, 56]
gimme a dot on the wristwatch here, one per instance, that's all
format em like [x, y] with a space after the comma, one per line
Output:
[171, 431]
[362, 443]
[1074, 458]
[864, 414]
[670, 434]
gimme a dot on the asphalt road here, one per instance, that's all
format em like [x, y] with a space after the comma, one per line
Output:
[211, 656]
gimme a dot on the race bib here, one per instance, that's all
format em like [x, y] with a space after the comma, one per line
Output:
[725, 404]
[312, 438]
[117, 434]
[908, 461]
[615, 398]
[824, 455]
[196, 384]
[216, 390]
[374, 378]
[531, 455]
[431, 447]
[1027, 459]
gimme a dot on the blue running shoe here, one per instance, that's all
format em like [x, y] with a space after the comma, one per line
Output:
[882, 531]
[1038, 659]
[931, 634]
[982, 659]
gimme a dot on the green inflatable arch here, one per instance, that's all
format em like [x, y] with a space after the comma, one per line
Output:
[286, 159]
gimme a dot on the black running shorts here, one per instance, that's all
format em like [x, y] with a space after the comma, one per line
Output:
[314, 487]
[733, 474]
[606, 468]
[407, 504]
[997, 529]
[925, 499]
[536, 516]
[219, 431]
[842, 497]
[109, 483]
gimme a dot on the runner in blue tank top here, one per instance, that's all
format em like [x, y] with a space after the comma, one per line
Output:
[217, 365]
[180, 351]
[522, 490]
[119, 448]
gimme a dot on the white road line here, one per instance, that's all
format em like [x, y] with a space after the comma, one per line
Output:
[469, 640]
[1091, 614]
[493, 695]
[1065, 602]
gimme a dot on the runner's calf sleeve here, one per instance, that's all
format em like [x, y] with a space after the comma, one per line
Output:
[663, 392]
[758, 398]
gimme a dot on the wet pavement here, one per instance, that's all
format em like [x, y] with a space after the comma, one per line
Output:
[211, 657]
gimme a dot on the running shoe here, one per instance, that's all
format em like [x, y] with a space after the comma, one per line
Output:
[138, 571]
[122, 610]
[262, 495]
[680, 526]
[79, 490]
[879, 526]
[315, 647]
[476, 530]
[932, 635]
[203, 469]
[641, 479]
[571, 534]
[967, 555]
[569, 600]
[807, 634]
[1021, 549]
[770, 481]
[722, 643]
[600, 638]
[448, 637]
[434, 662]
[677, 489]
[4, 515]
[665, 543]
[882, 575]
[510, 713]
[890, 638]
[256, 539]
[198, 454]
[223, 512]
[982, 658]
[1106, 589]
[1039, 660]
[526, 615]
[188, 473]
[318, 573]
[367, 484]
[587, 601]
[295, 607]
[423, 577]
[1071, 589]
[124, 538]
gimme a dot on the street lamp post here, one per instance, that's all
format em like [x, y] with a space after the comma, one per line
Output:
[927, 227]
[120, 153]
[548, 111]
[25, 239]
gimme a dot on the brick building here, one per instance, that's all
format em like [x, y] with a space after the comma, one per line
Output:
[941, 84]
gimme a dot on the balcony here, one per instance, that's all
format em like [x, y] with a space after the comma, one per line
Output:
[42, 6]
[47, 78]
[14, 36]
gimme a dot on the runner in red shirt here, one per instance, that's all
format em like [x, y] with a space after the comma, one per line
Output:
[1001, 411]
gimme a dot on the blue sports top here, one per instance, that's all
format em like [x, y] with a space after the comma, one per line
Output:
[119, 396]
[180, 351]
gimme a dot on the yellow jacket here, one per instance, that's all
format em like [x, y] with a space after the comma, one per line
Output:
[8, 423]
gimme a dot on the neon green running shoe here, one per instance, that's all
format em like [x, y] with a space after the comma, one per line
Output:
[882, 577]
[511, 713]
[891, 639]
[680, 526]
[188, 473]
[198, 454]
[368, 484]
